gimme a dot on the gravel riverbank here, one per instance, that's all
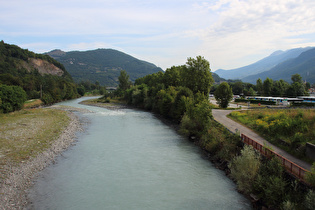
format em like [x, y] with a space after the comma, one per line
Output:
[14, 188]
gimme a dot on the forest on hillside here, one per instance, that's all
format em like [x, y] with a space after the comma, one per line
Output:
[102, 65]
[48, 87]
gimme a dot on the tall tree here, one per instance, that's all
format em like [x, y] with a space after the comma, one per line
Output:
[279, 88]
[223, 94]
[172, 76]
[124, 82]
[259, 86]
[297, 87]
[296, 78]
[267, 87]
[197, 76]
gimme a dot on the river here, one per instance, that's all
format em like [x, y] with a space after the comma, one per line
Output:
[129, 159]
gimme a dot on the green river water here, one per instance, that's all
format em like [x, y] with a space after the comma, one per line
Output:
[129, 159]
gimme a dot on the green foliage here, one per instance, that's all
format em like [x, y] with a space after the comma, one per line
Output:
[196, 75]
[123, 79]
[267, 87]
[197, 118]
[288, 129]
[309, 202]
[12, 98]
[12, 72]
[244, 169]
[223, 95]
[179, 102]
[259, 86]
[310, 176]
[270, 185]
[170, 95]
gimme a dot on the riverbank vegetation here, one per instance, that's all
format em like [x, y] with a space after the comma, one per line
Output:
[289, 129]
[25, 134]
[180, 94]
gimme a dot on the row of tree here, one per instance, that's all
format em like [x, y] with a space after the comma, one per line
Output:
[282, 88]
[180, 93]
[269, 87]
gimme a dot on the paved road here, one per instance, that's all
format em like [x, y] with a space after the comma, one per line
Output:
[220, 116]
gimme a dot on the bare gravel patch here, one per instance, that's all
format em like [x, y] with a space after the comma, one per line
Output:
[16, 177]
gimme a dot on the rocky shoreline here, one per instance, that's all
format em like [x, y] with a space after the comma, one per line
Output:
[14, 189]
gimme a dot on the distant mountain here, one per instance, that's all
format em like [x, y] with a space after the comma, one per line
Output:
[102, 65]
[263, 65]
[304, 65]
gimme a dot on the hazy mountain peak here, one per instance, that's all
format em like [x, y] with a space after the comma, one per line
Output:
[262, 65]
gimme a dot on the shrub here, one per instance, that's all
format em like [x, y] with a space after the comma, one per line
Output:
[12, 98]
[310, 176]
[244, 169]
[309, 202]
[197, 118]
[270, 184]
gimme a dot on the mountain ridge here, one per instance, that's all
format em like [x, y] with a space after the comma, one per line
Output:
[304, 65]
[102, 65]
[262, 65]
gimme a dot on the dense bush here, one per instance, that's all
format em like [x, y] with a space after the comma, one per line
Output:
[310, 176]
[12, 98]
[244, 169]
[270, 185]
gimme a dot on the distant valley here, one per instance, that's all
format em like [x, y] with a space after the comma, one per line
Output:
[279, 65]
[102, 65]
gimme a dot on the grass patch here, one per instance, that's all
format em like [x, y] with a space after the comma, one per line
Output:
[33, 103]
[24, 134]
[288, 129]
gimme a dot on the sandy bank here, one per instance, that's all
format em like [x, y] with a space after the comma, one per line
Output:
[14, 189]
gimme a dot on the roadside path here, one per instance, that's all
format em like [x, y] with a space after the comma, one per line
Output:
[221, 117]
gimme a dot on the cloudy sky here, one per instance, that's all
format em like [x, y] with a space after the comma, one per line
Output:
[228, 33]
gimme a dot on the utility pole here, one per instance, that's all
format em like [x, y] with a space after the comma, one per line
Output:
[41, 91]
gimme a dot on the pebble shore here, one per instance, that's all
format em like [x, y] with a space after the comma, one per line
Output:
[14, 189]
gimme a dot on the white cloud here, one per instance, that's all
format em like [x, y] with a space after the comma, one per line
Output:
[230, 33]
[245, 28]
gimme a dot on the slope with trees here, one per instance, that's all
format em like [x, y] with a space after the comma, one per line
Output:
[102, 65]
[40, 76]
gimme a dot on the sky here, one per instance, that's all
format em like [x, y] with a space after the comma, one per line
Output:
[228, 33]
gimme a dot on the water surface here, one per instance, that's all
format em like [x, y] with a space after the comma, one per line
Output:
[128, 159]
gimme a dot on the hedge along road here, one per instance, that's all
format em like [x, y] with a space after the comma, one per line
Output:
[221, 117]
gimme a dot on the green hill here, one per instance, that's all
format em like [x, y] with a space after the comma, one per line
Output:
[37, 74]
[102, 65]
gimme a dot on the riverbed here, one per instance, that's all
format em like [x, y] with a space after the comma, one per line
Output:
[129, 159]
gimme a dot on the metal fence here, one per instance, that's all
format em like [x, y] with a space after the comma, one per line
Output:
[291, 167]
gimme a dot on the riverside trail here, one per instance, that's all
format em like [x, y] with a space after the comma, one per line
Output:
[221, 117]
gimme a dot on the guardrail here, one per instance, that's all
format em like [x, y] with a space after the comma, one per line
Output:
[291, 167]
